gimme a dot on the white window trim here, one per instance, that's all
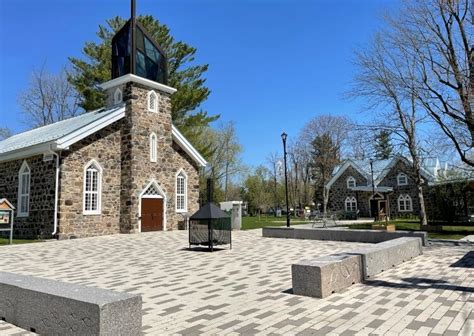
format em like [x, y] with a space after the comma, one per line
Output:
[350, 200]
[153, 147]
[118, 96]
[99, 189]
[157, 100]
[407, 203]
[183, 173]
[24, 166]
[398, 179]
[351, 179]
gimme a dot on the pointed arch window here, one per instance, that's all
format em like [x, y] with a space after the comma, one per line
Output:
[402, 179]
[153, 147]
[153, 101]
[24, 177]
[351, 204]
[351, 182]
[181, 192]
[405, 203]
[118, 97]
[92, 188]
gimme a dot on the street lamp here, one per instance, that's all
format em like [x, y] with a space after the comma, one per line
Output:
[283, 137]
[373, 186]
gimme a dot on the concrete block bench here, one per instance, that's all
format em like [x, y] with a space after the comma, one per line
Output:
[339, 234]
[383, 256]
[325, 275]
[58, 308]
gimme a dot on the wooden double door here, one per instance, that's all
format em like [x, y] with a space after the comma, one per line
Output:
[152, 214]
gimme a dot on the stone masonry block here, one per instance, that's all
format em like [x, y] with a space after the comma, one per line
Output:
[388, 254]
[326, 275]
[57, 308]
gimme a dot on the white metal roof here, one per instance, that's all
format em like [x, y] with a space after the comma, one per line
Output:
[61, 135]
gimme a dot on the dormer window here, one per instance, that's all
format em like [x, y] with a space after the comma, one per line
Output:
[402, 179]
[351, 182]
[152, 101]
[117, 96]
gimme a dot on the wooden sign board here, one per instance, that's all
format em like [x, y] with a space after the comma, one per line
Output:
[6, 217]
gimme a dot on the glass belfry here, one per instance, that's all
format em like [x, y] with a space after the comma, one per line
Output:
[135, 52]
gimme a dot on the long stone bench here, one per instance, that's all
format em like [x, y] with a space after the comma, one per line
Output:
[58, 308]
[339, 234]
[325, 275]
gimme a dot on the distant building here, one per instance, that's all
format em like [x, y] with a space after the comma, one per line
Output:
[393, 191]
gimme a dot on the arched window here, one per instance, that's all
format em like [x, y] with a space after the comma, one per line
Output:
[351, 182]
[351, 204]
[402, 179]
[92, 188]
[117, 96]
[181, 192]
[24, 177]
[404, 203]
[152, 101]
[153, 147]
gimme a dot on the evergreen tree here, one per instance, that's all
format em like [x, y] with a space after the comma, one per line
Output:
[183, 75]
[383, 146]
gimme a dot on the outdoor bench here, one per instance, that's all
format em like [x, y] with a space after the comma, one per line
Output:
[320, 277]
[57, 308]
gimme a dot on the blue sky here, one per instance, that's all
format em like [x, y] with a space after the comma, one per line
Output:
[273, 64]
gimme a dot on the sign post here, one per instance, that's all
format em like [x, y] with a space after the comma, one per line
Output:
[6, 217]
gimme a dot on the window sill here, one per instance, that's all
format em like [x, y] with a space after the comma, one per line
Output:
[181, 211]
[95, 213]
[22, 215]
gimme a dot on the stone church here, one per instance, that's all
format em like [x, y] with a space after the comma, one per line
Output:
[124, 168]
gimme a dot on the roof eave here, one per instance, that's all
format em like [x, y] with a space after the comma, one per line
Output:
[136, 79]
[187, 147]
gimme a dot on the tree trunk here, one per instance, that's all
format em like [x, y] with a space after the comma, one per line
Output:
[325, 199]
[423, 220]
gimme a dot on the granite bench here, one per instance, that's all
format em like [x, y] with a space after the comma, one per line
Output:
[340, 234]
[320, 277]
[58, 308]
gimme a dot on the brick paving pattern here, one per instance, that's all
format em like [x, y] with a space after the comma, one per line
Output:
[247, 290]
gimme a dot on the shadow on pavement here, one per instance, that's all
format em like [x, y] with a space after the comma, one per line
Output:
[420, 283]
[467, 261]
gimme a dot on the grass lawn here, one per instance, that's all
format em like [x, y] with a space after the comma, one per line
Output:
[249, 223]
[6, 241]
[449, 232]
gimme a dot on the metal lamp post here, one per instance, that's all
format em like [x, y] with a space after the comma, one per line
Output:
[373, 185]
[283, 137]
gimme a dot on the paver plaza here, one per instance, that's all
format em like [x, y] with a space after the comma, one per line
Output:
[247, 290]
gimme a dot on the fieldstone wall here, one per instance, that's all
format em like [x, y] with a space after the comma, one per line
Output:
[339, 192]
[410, 189]
[123, 152]
[40, 221]
[103, 147]
[137, 169]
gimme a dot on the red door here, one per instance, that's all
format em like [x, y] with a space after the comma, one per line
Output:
[152, 214]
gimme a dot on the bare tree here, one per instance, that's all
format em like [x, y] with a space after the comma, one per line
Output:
[274, 161]
[5, 133]
[333, 133]
[49, 98]
[437, 36]
[387, 76]
[225, 161]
